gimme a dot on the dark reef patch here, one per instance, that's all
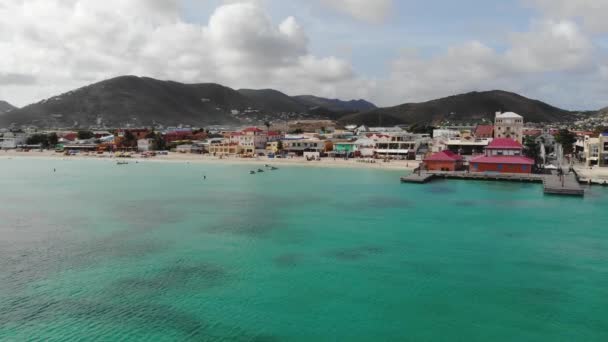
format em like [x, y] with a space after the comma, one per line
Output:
[356, 253]
[180, 276]
[288, 260]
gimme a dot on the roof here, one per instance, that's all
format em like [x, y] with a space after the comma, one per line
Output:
[503, 160]
[444, 156]
[253, 129]
[533, 132]
[484, 130]
[505, 144]
[509, 115]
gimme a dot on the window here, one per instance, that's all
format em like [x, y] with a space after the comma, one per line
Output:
[524, 168]
[499, 167]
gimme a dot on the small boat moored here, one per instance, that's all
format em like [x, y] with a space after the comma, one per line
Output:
[260, 170]
[252, 172]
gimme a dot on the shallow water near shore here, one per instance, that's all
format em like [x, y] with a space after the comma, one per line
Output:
[154, 252]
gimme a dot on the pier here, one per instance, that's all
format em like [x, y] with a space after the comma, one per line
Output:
[553, 184]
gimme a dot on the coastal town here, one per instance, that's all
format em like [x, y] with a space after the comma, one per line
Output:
[506, 146]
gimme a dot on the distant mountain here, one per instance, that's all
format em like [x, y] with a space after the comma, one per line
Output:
[472, 106]
[6, 107]
[142, 101]
[335, 105]
[273, 100]
[134, 100]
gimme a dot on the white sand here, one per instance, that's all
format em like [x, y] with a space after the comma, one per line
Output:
[195, 158]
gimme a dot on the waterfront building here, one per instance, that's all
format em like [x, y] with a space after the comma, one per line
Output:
[10, 140]
[145, 145]
[509, 125]
[591, 151]
[502, 155]
[225, 148]
[467, 147]
[603, 158]
[401, 145]
[444, 161]
[344, 148]
[299, 146]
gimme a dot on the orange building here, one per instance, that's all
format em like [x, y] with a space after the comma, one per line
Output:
[443, 161]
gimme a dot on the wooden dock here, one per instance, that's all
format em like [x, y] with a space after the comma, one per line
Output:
[552, 184]
[563, 185]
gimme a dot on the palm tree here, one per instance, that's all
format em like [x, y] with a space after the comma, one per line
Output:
[267, 124]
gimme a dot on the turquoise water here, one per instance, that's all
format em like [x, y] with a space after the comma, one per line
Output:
[152, 252]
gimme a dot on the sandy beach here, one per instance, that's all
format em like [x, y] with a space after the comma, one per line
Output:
[173, 157]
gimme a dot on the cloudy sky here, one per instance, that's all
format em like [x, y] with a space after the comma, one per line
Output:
[389, 52]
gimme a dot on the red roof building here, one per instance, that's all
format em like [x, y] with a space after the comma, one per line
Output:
[484, 131]
[503, 155]
[504, 144]
[444, 161]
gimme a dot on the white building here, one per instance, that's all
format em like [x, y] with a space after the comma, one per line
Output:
[144, 145]
[11, 140]
[252, 139]
[509, 125]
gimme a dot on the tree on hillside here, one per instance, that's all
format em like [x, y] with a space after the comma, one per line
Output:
[83, 135]
[267, 124]
[567, 139]
[600, 129]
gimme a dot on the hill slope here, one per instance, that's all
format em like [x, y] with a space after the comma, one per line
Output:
[134, 100]
[142, 101]
[465, 107]
[273, 100]
[335, 105]
[6, 107]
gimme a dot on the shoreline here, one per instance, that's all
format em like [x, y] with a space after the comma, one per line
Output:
[174, 157]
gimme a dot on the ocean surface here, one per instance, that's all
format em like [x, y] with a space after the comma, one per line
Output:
[153, 252]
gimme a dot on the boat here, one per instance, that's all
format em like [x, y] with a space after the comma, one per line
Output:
[260, 170]
[252, 172]
[274, 168]
[122, 163]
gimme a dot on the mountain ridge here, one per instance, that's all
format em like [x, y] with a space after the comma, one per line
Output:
[144, 101]
[471, 106]
[6, 107]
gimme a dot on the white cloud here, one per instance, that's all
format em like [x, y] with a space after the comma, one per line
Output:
[551, 46]
[373, 11]
[62, 44]
[591, 12]
[552, 55]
